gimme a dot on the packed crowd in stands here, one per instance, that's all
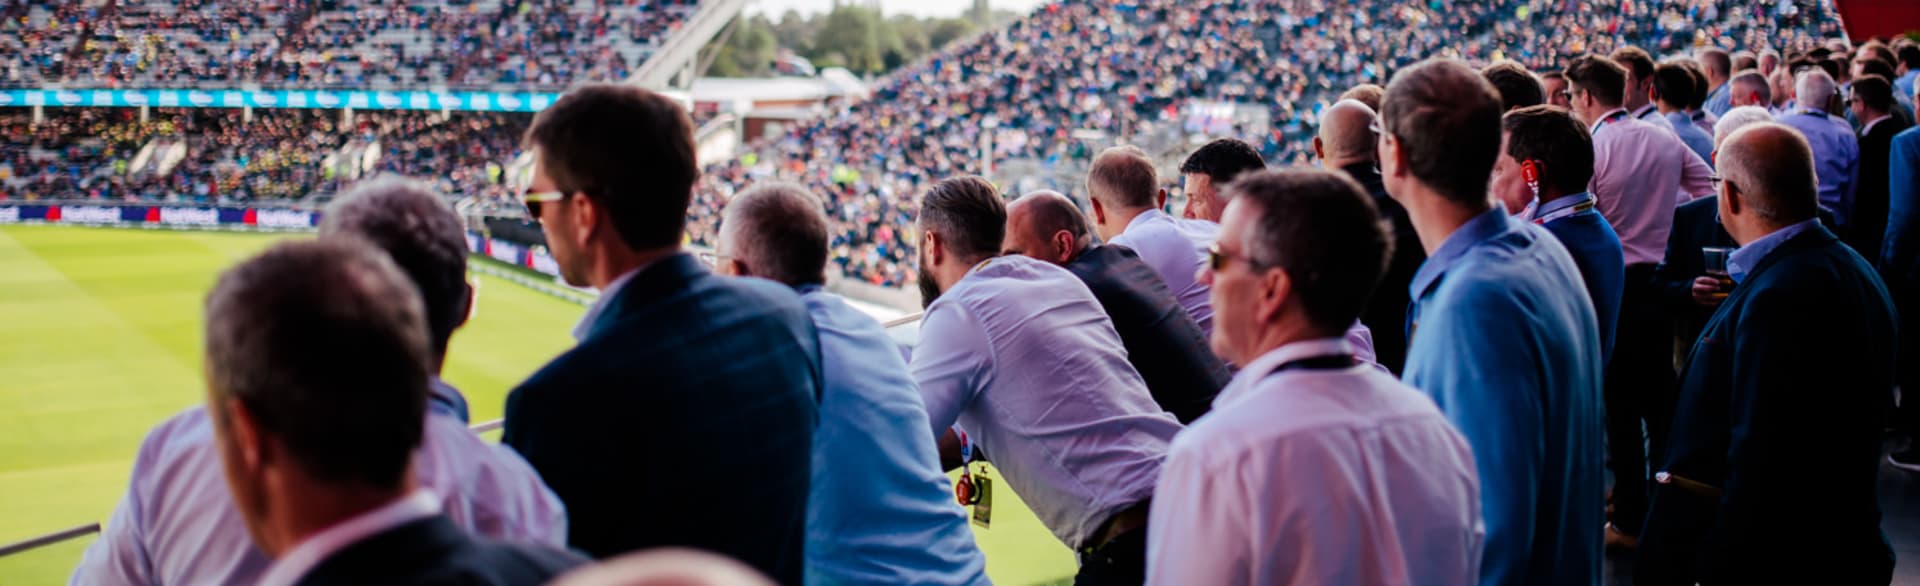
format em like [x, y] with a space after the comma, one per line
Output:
[1126, 67]
[543, 44]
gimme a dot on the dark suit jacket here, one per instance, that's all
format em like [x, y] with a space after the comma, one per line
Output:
[1869, 227]
[684, 418]
[1696, 225]
[1163, 342]
[1386, 312]
[434, 551]
[1781, 407]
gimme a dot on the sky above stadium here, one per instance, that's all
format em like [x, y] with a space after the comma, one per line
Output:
[921, 8]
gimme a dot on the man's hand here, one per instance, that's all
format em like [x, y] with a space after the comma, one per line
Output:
[1707, 293]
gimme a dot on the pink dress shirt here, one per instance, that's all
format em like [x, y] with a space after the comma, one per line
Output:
[1640, 173]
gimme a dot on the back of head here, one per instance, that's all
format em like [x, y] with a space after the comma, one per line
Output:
[666, 567]
[1049, 213]
[1346, 131]
[1716, 63]
[1878, 67]
[424, 236]
[1553, 137]
[1518, 87]
[1675, 85]
[1366, 93]
[779, 230]
[1322, 229]
[967, 213]
[1223, 159]
[1813, 88]
[324, 345]
[1701, 86]
[1446, 119]
[1736, 119]
[1636, 61]
[630, 150]
[1744, 60]
[1751, 81]
[1772, 167]
[1123, 176]
[1873, 91]
[1908, 56]
[1599, 77]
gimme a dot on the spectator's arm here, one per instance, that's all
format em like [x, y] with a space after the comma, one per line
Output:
[950, 364]
[119, 555]
[1696, 178]
[1197, 531]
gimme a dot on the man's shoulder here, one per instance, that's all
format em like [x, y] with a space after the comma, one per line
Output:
[1276, 413]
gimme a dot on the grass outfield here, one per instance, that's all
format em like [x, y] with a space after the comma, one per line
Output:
[100, 340]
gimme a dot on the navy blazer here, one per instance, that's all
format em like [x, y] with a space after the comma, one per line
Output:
[1386, 312]
[684, 418]
[1780, 411]
[1163, 342]
[434, 551]
[1870, 201]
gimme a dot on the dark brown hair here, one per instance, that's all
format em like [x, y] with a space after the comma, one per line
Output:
[629, 149]
[1446, 119]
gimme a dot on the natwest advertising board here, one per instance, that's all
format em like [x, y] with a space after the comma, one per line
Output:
[160, 216]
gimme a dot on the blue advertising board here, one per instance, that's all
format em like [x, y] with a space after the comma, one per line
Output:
[321, 99]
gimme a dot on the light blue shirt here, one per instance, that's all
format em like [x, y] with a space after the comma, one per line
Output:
[1720, 100]
[1697, 140]
[1025, 359]
[1836, 158]
[1505, 341]
[1744, 259]
[880, 510]
[177, 523]
[1905, 82]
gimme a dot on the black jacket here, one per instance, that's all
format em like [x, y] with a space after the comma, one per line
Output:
[1870, 199]
[1780, 410]
[1163, 342]
[684, 418]
[434, 551]
[1386, 313]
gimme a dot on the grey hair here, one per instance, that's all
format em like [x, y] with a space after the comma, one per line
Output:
[1813, 88]
[1736, 119]
[1752, 80]
[779, 230]
[415, 226]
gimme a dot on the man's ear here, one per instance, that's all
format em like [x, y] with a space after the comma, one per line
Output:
[467, 302]
[1319, 152]
[1062, 247]
[935, 247]
[1099, 211]
[1277, 291]
[586, 220]
[1390, 151]
[243, 436]
[739, 268]
[1160, 200]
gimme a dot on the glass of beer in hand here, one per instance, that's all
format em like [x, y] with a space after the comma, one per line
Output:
[1716, 264]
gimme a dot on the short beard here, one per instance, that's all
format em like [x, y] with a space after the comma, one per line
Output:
[929, 290]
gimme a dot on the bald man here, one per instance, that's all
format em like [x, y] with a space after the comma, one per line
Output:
[1346, 142]
[1163, 342]
[1765, 482]
[1127, 201]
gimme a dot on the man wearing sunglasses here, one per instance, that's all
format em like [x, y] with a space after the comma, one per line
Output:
[1502, 335]
[1257, 491]
[685, 415]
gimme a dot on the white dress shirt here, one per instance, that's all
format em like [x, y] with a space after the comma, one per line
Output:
[316, 548]
[177, 523]
[1336, 476]
[1023, 357]
[1177, 249]
[1641, 172]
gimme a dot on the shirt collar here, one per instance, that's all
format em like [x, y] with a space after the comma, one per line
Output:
[1482, 227]
[1869, 127]
[1604, 118]
[1248, 379]
[607, 294]
[1565, 201]
[1679, 117]
[1746, 258]
[1641, 113]
[443, 399]
[1144, 217]
[316, 548]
